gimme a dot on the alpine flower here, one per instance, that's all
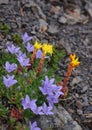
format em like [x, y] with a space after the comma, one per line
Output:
[28, 103]
[74, 60]
[33, 126]
[10, 67]
[29, 47]
[23, 60]
[26, 38]
[47, 110]
[47, 49]
[37, 46]
[73, 63]
[12, 49]
[9, 80]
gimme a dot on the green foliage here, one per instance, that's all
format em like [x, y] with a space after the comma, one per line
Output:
[17, 38]
[3, 111]
[4, 28]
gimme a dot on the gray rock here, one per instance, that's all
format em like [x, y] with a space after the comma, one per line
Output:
[62, 19]
[85, 88]
[80, 112]
[79, 104]
[85, 100]
[53, 29]
[4, 1]
[76, 80]
[88, 8]
[60, 120]
[43, 24]
[65, 45]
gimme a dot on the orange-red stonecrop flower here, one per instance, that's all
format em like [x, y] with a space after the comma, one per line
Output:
[74, 60]
[73, 63]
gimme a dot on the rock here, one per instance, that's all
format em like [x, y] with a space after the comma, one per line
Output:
[75, 16]
[90, 69]
[80, 112]
[53, 29]
[85, 100]
[4, 1]
[43, 24]
[65, 45]
[88, 8]
[35, 8]
[79, 104]
[76, 80]
[62, 19]
[61, 120]
[85, 88]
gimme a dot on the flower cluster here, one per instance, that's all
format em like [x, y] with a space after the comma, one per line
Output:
[51, 90]
[48, 88]
[74, 60]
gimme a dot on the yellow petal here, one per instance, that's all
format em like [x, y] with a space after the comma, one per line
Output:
[37, 45]
[46, 48]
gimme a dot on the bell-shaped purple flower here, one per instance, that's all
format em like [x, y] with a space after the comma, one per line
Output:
[28, 103]
[39, 54]
[52, 99]
[46, 86]
[29, 47]
[33, 126]
[23, 60]
[10, 67]
[12, 49]
[47, 110]
[9, 81]
[26, 37]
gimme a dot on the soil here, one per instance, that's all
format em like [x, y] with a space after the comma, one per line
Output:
[68, 24]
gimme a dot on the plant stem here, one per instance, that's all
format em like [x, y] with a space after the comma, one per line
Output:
[40, 64]
[68, 73]
[33, 56]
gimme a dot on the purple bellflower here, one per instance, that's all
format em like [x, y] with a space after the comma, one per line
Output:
[12, 49]
[29, 47]
[52, 99]
[33, 126]
[28, 103]
[26, 38]
[47, 110]
[9, 81]
[37, 110]
[23, 60]
[51, 90]
[46, 86]
[10, 67]
[20, 53]
[39, 54]
[31, 104]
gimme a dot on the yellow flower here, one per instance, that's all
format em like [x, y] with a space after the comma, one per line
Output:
[47, 48]
[37, 45]
[74, 60]
[72, 56]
